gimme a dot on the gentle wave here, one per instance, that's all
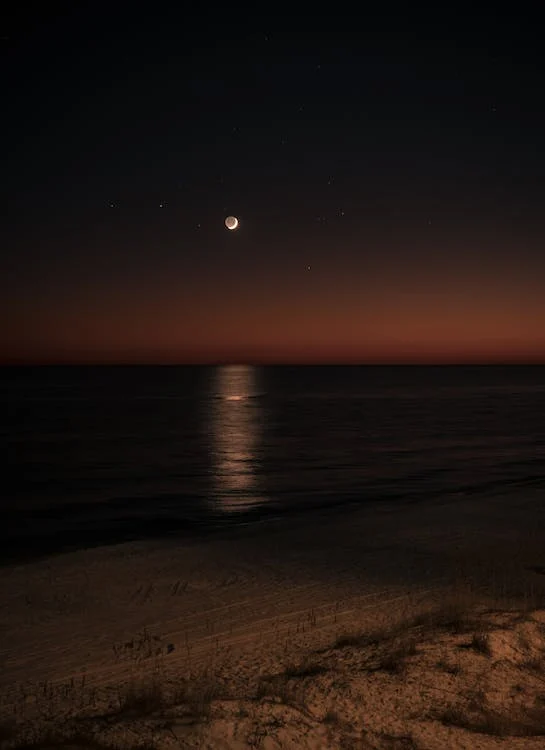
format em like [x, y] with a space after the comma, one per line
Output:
[88, 448]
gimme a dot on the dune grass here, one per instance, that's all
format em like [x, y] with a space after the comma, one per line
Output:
[63, 712]
[476, 716]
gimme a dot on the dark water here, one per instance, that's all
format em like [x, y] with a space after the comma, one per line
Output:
[97, 454]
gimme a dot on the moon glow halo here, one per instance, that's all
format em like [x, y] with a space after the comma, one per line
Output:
[231, 222]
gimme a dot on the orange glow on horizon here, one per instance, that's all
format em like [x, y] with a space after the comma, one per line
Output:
[369, 317]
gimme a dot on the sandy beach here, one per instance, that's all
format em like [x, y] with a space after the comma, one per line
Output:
[387, 626]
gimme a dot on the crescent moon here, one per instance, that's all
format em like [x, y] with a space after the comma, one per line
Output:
[231, 222]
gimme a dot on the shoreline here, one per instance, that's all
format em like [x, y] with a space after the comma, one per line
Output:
[157, 529]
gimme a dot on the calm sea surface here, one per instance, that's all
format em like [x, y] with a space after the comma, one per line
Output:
[98, 454]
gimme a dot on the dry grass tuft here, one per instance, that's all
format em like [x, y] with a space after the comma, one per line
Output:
[143, 699]
[480, 718]
[73, 735]
[480, 642]
[282, 688]
[332, 718]
[306, 668]
[372, 638]
[535, 665]
[394, 660]
[392, 742]
[350, 640]
[389, 646]
[455, 614]
[196, 694]
[448, 667]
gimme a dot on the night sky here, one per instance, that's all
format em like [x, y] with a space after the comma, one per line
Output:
[389, 183]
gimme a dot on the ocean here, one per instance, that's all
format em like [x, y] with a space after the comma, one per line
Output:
[105, 454]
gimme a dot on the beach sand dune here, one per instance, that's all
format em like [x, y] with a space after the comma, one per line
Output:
[390, 626]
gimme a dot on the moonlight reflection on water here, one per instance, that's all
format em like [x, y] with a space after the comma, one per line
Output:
[235, 435]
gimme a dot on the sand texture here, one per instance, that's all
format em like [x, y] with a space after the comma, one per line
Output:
[420, 626]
